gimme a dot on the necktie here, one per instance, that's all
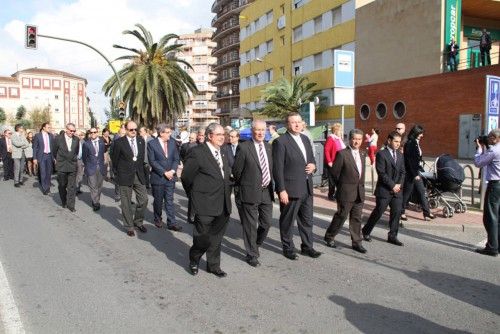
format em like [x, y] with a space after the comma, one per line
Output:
[134, 148]
[219, 162]
[45, 142]
[234, 149]
[394, 156]
[7, 140]
[96, 146]
[263, 167]
[165, 148]
[358, 162]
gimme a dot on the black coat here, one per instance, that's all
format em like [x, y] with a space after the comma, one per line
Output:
[124, 165]
[412, 159]
[66, 160]
[389, 173]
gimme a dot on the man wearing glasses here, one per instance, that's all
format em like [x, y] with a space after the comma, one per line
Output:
[95, 168]
[128, 162]
[66, 149]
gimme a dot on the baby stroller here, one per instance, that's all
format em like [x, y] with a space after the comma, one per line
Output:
[446, 176]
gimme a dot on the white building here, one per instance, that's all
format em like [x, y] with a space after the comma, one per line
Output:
[63, 93]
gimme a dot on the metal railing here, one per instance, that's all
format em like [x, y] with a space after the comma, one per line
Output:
[471, 60]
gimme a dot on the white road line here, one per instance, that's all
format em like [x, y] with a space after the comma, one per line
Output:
[8, 310]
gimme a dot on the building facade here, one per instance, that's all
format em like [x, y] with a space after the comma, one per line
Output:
[227, 37]
[197, 50]
[64, 94]
[281, 39]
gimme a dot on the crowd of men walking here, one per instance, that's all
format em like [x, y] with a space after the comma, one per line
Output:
[216, 164]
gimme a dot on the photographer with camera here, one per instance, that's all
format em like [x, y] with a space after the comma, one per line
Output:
[490, 158]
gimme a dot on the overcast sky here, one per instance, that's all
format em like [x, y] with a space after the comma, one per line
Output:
[99, 23]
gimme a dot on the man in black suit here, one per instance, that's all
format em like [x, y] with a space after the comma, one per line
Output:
[186, 147]
[128, 161]
[293, 166]
[390, 167]
[6, 155]
[95, 167]
[43, 156]
[66, 148]
[206, 177]
[348, 171]
[232, 146]
[252, 175]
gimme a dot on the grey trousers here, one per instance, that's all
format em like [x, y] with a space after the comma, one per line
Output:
[79, 173]
[131, 218]
[95, 185]
[19, 168]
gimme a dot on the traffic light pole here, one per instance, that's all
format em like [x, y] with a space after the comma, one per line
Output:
[99, 52]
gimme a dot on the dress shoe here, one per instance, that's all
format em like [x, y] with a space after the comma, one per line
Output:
[366, 237]
[253, 262]
[21, 183]
[429, 217]
[193, 268]
[96, 207]
[290, 255]
[217, 272]
[175, 228]
[359, 248]
[486, 251]
[78, 192]
[395, 241]
[158, 223]
[17, 185]
[311, 253]
[142, 228]
[72, 209]
[130, 233]
[403, 217]
[46, 192]
[330, 243]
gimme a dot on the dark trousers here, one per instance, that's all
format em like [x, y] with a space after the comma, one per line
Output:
[411, 185]
[381, 204]
[207, 238]
[485, 56]
[491, 215]
[190, 211]
[45, 168]
[147, 172]
[67, 188]
[8, 167]
[256, 220]
[164, 194]
[302, 210]
[331, 183]
[344, 209]
[130, 217]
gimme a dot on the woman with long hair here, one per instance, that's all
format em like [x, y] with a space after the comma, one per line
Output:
[333, 144]
[28, 152]
[413, 180]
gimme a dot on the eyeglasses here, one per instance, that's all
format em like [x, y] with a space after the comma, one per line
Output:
[132, 130]
[399, 128]
[72, 131]
[93, 131]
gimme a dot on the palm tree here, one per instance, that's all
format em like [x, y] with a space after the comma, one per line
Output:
[284, 96]
[155, 87]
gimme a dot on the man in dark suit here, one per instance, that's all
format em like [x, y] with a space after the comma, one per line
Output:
[43, 157]
[293, 166]
[348, 171]
[186, 147]
[128, 161]
[199, 138]
[6, 155]
[390, 167]
[95, 167]
[66, 148]
[164, 159]
[232, 146]
[252, 175]
[206, 177]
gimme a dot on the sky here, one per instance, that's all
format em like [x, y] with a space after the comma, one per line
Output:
[99, 23]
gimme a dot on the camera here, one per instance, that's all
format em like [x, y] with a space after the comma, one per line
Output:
[483, 140]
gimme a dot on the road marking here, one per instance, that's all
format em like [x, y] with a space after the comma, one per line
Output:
[8, 310]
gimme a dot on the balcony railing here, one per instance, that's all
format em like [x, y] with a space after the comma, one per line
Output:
[471, 60]
[226, 10]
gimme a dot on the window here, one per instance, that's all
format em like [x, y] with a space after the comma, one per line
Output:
[256, 79]
[256, 52]
[399, 109]
[318, 24]
[381, 110]
[282, 9]
[298, 3]
[336, 16]
[364, 112]
[297, 67]
[269, 17]
[269, 46]
[269, 76]
[282, 40]
[297, 34]
[56, 97]
[282, 71]
[318, 61]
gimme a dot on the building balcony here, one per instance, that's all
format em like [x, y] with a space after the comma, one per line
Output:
[223, 64]
[220, 50]
[224, 31]
[227, 10]
[220, 80]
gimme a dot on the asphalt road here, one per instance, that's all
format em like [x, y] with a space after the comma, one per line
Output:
[80, 273]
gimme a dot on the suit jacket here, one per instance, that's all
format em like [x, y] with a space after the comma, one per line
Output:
[161, 164]
[122, 157]
[389, 173]
[350, 185]
[289, 166]
[184, 150]
[92, 162]
[3, 148]
[228, 149]
[248, 174]
[39, 145]
[66, 160]
[19, 144]
[412, 158]
[210, 191]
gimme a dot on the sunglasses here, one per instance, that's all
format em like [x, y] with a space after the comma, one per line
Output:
[135, 129]
[93, 131]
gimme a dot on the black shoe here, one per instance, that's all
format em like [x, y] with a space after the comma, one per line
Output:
[429, 217]
[366, 237]
[142, 228]
[253, 262]
[311, 253]
[331, 198]
[96, 207]
[330, 243]
[403, 217]
[217, 272]
[46, 192]
[21, 183]
[290, 255]
[485, 251]
[193, 268]
[359, 248]
[78, 192]
[395, 241]
[175, 228]
[17, 185]
[401, 225]
[72, 209]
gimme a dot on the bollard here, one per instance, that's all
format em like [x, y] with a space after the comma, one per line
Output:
[469, 167]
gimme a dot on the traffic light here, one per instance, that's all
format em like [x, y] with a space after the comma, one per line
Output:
[31, 38]
[121, 111]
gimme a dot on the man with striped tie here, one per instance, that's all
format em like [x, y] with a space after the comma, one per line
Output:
[252, 174]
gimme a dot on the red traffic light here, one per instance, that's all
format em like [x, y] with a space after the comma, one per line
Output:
[31, 37]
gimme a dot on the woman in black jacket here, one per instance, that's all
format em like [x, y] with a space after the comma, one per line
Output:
[413, 180]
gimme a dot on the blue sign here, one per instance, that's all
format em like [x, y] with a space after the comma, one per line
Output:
[343, 69]
[492, 102]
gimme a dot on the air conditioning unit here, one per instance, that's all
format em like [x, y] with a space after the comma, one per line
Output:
[281, 22]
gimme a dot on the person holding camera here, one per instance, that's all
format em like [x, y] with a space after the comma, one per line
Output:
[490, 159]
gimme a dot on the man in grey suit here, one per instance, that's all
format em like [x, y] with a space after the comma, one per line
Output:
[348, 171]
[95, 168]
[19, 144]
[66, 148]
[252, 175]
[293, 166]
